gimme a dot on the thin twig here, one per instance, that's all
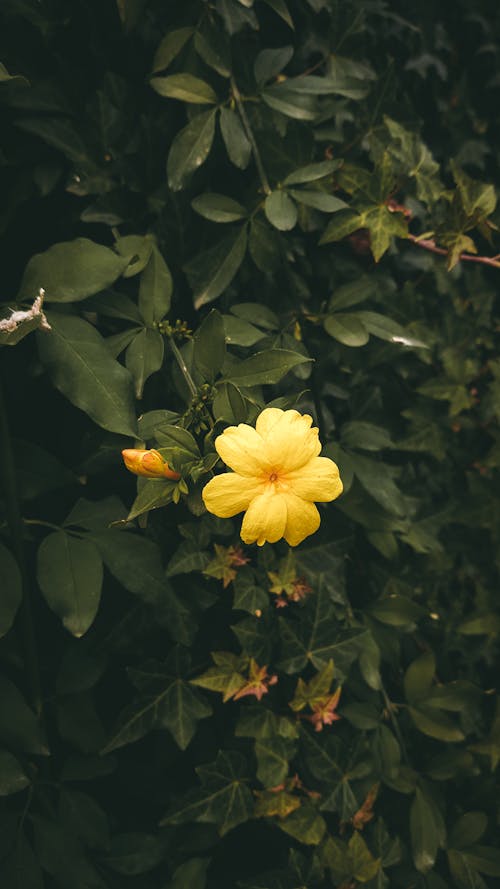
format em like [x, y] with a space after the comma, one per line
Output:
[431, 246]
[250, 136]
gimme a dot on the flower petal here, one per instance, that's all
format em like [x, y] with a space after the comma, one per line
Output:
[302, 519]
[265, 518]
[230, 493]
[242, 449]
[267, 419]
[290, 442]
[318, 480]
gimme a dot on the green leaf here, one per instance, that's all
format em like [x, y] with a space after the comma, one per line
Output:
[426, 831]
[165, 701]
[185, 87]
[365, 436]
[418, 677]
[484, 859]
[396, 611]
[155, 289]
[76, 357]
[210, 272]
[235, 139]
[69, 572]
[223, 799]
[131, 854]
[386, 329]
[468, 830]
[266, 368]
[241, 333]
[218, 207]
[151, 494]
[170, 46]
[191, 874]
[136, 564]
[273, 756]
[258, 314]
[12, 777]
[305, 825]
[435, 724]
[248, 595]
[270, 62]
[312, 172]
[190, 149]
[137, 250]
[212, 44]
[11, 586]
[484, 624]
[281, 9]
[290, 103]
[344, 223]
[71, 271]
[19, 727]
[347, 329]
[144, 357]
[377, 480]
[280, 210]
[465, 876]
[317, 199]
[209, 346]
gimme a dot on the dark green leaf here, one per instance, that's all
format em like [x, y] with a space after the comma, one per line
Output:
[218, 207]
[185, 87]
[235, 139]
[210, 272]
[155, 289]
[69, 572]
[190, 149]
[12, 777]
[144, 357]
[266, 368]
[19, 727]
[210, 346]
[280, 210]
[76, 357]
[71, 271]
[347, 329]
[170, 47]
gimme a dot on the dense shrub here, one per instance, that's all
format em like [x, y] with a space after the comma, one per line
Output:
[209, 209]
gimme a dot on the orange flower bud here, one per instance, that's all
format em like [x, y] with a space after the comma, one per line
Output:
[148, 463]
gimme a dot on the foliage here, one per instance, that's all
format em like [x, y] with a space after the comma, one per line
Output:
[209, 209]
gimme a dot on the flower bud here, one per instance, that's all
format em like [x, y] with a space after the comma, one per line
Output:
[149, 464]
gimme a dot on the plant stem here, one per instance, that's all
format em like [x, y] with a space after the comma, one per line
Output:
[250, 136]
[431, 246]
[182, 366]
[15, 523]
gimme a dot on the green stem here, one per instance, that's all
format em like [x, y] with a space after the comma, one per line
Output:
[15, 523]
[183, 367]
[250, 136]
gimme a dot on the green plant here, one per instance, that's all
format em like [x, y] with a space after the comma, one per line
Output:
[211, 209]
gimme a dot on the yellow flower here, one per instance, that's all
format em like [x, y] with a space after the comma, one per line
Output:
[148, 463]
[276, 479]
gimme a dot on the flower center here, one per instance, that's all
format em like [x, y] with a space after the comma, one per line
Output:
[273, 477]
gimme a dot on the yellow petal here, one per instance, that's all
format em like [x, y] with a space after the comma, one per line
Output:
[243, 450]
[318, 480]
[302, 519]
[265, 518]
[290, 442]
[230, 493]
[267, 419]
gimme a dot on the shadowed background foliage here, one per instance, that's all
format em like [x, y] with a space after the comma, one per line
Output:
[231, 205]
